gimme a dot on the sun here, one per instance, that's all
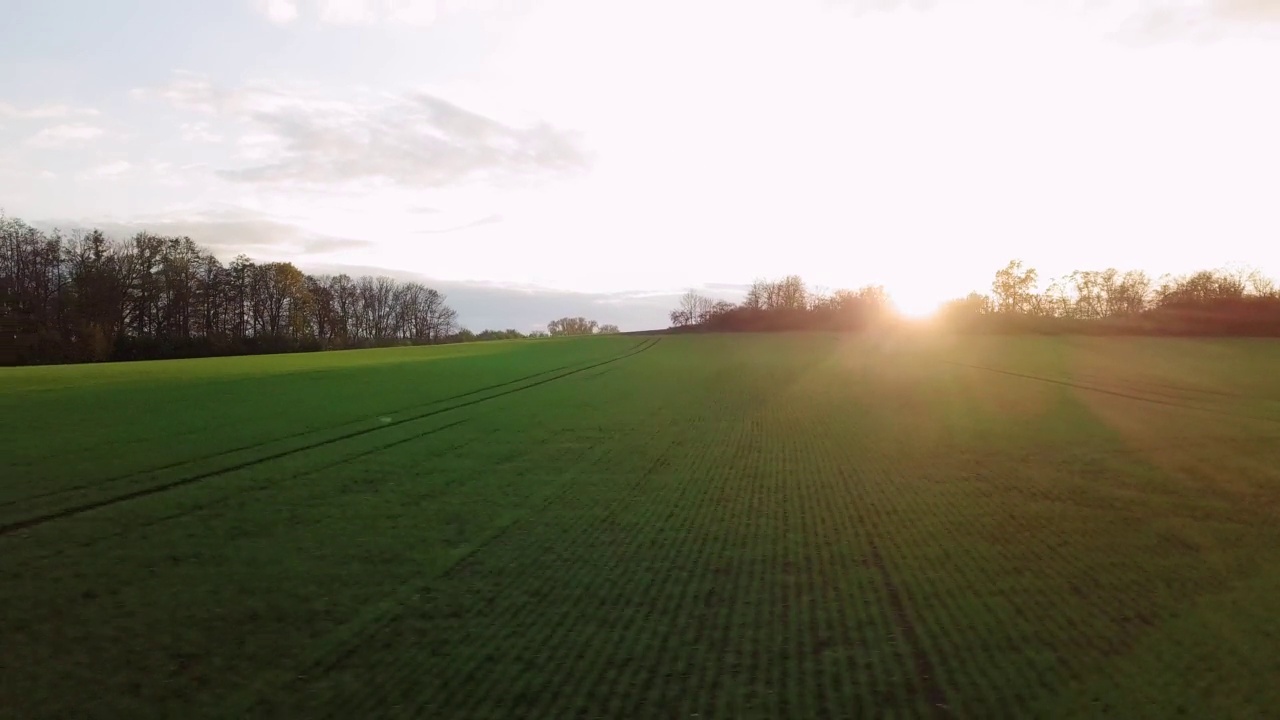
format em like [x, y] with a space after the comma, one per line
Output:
[915, 305]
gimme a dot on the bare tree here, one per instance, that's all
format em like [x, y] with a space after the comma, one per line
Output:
[86, 297]
[694, 307]
[572, 326]
[1013, 288]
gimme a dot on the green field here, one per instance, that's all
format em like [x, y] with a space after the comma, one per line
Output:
[786, 526]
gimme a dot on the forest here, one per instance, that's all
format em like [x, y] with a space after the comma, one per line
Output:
[85, 297]
[1207, 302]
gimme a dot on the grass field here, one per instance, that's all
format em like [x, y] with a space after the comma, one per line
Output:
[799, 526]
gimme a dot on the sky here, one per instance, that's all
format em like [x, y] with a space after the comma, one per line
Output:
[540, 158]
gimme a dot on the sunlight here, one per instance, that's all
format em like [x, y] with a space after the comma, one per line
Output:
[916, 303]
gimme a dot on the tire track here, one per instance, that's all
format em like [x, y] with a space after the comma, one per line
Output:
[925, 672]
[28, 523]
[281, 438]
[862, 494]
[140, 526]
[379, 618]
[538, 583]
[88, 450]
[1115, 393]
[1181, 388]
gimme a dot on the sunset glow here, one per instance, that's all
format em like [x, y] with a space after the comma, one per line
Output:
[545, 144]
[916, 306]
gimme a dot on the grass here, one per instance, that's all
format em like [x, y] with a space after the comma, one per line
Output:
[800, 525]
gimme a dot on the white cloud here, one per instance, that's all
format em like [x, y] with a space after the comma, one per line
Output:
[279, 11]
[107, 171]
[65, 134]
[228, 231]
[188, 91]
[257, 147]
[417, 13]
[45, 112]
[1250, 11]
[349, 12]
[412, 139]
[490, 219]
[873, 6]
[199, 132]
[1202, 19]
[408, 138]
[872, 132]
[411, 12]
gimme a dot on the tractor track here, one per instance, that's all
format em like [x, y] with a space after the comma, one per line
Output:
[35, 521]
[381, 615]
[1114, 393]
[282, 438]
[134, 528]
[926, 674]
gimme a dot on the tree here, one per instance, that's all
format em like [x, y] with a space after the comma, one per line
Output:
[1130, 294]
[572, 326]
[87, 298]
[1201, 288]
[693, 309]
[1014, 288]
[789, 293]
[696, 309]
[1057, 301]
[967, 309]
[874, 297]
[1260, 285]
[508, 334]
[608, 330]
[757, 295]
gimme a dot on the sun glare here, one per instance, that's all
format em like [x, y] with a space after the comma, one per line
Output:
[915, 306]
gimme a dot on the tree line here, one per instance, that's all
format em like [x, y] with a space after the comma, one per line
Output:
[1207, 302]
[85, 297]
[562, 327]
[568, 326]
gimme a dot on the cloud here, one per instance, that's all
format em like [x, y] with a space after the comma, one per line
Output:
[229, 231]
[349, 12]
[487, 220]
[107, 170]
[733, 287]
[301, 136]
[415, 13]
[491, 305]
[278, 11]
[413, 140]
[873, 6]
[1200, 19]
[225, 232]
[65, 134]
[198, 132]
[256, 147]
[189, 91]
[315, 244]
[411, 12]
[1250, 11]
[45, 112]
